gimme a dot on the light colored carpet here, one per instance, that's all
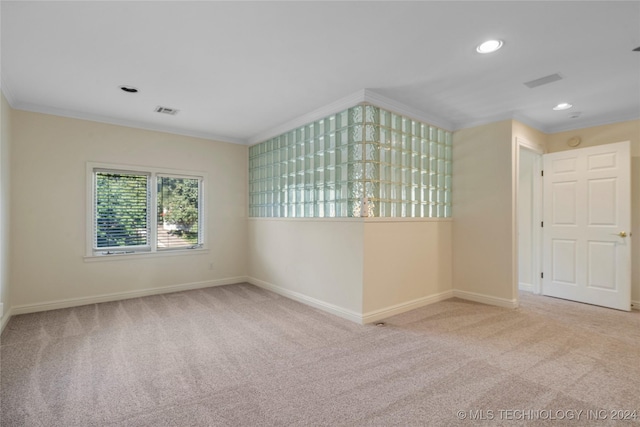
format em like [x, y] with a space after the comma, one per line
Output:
[239, 355]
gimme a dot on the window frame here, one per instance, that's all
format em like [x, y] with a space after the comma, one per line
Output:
[151, 248]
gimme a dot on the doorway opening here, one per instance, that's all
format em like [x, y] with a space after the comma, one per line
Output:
[529, 216]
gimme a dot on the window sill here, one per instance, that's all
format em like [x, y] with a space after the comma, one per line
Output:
[143, 255]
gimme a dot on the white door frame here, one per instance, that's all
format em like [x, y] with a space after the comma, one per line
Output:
[523, 144]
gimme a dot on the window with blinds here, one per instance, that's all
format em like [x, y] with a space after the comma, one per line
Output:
[178, 212]
[121, 207]
[144, 211]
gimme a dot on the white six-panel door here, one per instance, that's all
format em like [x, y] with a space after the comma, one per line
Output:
[587, 222]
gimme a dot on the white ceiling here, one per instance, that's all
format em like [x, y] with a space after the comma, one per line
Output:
[237, 71]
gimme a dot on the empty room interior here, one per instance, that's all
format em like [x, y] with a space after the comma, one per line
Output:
[319, 213]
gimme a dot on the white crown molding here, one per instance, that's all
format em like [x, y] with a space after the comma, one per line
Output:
[6, 91]
[127, 123]
[361, 96]
[335, 107]
[382, 101]
[600, 121]
[499, 118]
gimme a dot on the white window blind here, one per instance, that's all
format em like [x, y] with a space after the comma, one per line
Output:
[143, 210]
[121, 210]
[178, 212]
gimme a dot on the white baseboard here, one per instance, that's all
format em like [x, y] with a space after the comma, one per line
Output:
[527, 287]
[74, 302]
[383, 313]
[486, 299]
[635, 305]
[313, 302]
[5, 319]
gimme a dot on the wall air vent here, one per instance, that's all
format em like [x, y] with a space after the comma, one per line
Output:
[166, 110]
[543, 80]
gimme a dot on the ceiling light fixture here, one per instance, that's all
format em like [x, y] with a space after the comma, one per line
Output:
[562, 106]
[129, 89]
[489, 46]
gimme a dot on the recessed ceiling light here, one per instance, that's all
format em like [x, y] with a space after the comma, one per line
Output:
[562, 106]
[129, 89]
[489, 46]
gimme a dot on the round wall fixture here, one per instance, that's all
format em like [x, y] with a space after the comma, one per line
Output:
[129, 89]
[574, 142]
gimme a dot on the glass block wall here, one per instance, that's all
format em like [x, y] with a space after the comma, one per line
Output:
[364, 161]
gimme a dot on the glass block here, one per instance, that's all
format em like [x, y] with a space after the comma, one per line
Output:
[396, 173]
[330, 124]
[356, 114]
[396, 192]
[355, 134]
[385, 155]
[371, 133]
[372, 114]
[406, 159]
[385, 191]
[354, 208]
[330, 141]
[406, 142]
[340, 208]
[396, 139]
[309, 210]
[355, 153]
[371, 190]
[424, 162]
[356, 190]
[433, 133]
[372, 152]
[342, 119]
[329, 193]
[406, 125]
[402, 160]
[384, 136]
[342, 137]
[372, 171]
[385, 118]
[396, 157]
[342, 192]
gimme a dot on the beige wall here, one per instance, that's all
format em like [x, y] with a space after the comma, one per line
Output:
[5, 143]
[406, 263]
[483, 224]
[617, 132]
[361, 269]
[48, 211]
[319, 261]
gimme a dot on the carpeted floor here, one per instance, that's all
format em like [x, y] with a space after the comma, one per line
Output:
[239, 355]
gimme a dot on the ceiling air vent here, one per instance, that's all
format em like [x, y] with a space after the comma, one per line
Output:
[543, 80]
[166, 110]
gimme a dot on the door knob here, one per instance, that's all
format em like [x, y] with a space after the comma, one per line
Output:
[622, 234]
